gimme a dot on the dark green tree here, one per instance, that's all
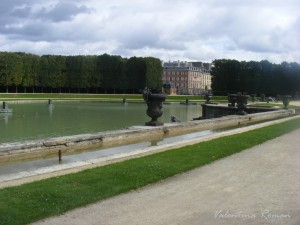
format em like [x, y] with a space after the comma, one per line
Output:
[255, 77]
[226, 76]
[111, 69]
[136, 73]
[89, 71]
[11, 70]
[153, 73]
[31, 65]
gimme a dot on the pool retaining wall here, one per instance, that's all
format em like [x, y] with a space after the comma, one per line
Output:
[37, 148]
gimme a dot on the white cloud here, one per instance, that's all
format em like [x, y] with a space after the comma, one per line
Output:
[169, 30]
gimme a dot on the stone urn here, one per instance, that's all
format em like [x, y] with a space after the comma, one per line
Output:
[242, 101]
[232, 100]
[262, 97]
[207, 97]
[253, 96]
[286, 100]
[154, 110]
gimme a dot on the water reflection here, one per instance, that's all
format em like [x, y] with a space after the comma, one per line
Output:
[35, 121]
[5, 117]
[50, 107]
[17, 167]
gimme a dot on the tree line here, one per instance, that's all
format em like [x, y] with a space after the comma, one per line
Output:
[232, 76]
[23, 72]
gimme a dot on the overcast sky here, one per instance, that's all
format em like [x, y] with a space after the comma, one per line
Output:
[186, 30]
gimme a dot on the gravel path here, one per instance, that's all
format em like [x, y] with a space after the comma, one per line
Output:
[296, 103]
[257, 186]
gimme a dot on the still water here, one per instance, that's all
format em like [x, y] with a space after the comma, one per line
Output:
[30, 121]
[8, 168]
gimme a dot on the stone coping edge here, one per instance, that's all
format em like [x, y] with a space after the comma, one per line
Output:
[62, 169]
[135, 133]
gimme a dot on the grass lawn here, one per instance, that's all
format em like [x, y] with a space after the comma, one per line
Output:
[34, 201]
[38, 96]
[278, 104]
[102, 97]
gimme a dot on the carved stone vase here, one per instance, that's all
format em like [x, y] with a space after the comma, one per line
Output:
[242, 101]
[154, 110]
[253, 96]
[207, 97]
[232, 100]
[286, 100]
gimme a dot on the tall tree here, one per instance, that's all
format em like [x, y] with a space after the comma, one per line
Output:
[111, 69]
[31, 70]
[44, 73]
[136, 73]
[153, 73]
[11, 69]
[255, 77]
[74, 79]
[226, 76]
[90, 71]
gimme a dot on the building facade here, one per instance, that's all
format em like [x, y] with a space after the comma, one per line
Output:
[187, 78]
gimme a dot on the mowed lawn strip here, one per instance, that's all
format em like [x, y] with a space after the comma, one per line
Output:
[34, 201]
[100, 97]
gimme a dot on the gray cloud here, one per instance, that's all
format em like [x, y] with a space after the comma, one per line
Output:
[170, 30]
[62, 11]
[37, 22]
[23, 12]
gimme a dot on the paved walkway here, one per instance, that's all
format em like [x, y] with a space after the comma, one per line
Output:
[296, 103]
[258, 186]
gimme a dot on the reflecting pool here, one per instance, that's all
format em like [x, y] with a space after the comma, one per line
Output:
[9, 167]
[29, 121]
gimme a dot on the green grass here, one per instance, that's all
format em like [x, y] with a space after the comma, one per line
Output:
[70, 96]
[102, 97]
[278, 104]
[34, 201]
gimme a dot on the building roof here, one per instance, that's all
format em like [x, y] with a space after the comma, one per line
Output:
[197, 66]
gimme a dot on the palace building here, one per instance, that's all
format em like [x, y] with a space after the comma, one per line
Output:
[186, 78]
